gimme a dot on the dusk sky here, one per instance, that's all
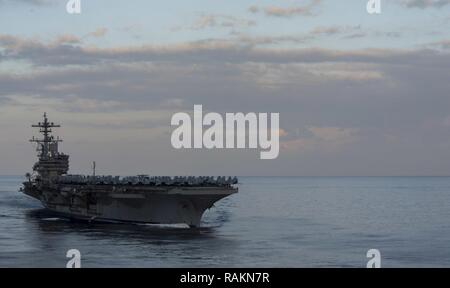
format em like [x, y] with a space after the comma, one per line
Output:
[358, 94]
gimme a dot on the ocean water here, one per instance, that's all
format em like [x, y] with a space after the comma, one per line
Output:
[272, 222]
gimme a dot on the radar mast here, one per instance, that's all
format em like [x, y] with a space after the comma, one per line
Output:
[48, 146]
[51, 162]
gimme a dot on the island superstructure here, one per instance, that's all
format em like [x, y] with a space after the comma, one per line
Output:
[137, 199]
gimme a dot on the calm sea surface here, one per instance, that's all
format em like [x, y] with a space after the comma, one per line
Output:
[272, 222]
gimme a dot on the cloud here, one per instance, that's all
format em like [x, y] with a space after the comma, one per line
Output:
[99, 32]
[337, 107]
[443, 44]
[343, 71]
[332, 133]
[60, 52]
[317, 33]
[330, 30]
[422, 4]
[276, 11]
[221, 21]
[324, 139]
[32, 2]
[66, 39]
[253, 9]
[61, 69]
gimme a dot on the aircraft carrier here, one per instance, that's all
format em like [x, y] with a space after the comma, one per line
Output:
[136, 199]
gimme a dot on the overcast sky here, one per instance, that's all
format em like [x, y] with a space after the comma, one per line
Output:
[357, 94]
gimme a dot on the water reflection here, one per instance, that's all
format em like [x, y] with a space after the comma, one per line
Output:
[124, 245]
[50, 222]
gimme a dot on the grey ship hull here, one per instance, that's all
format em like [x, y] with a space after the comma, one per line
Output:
[139, 204]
